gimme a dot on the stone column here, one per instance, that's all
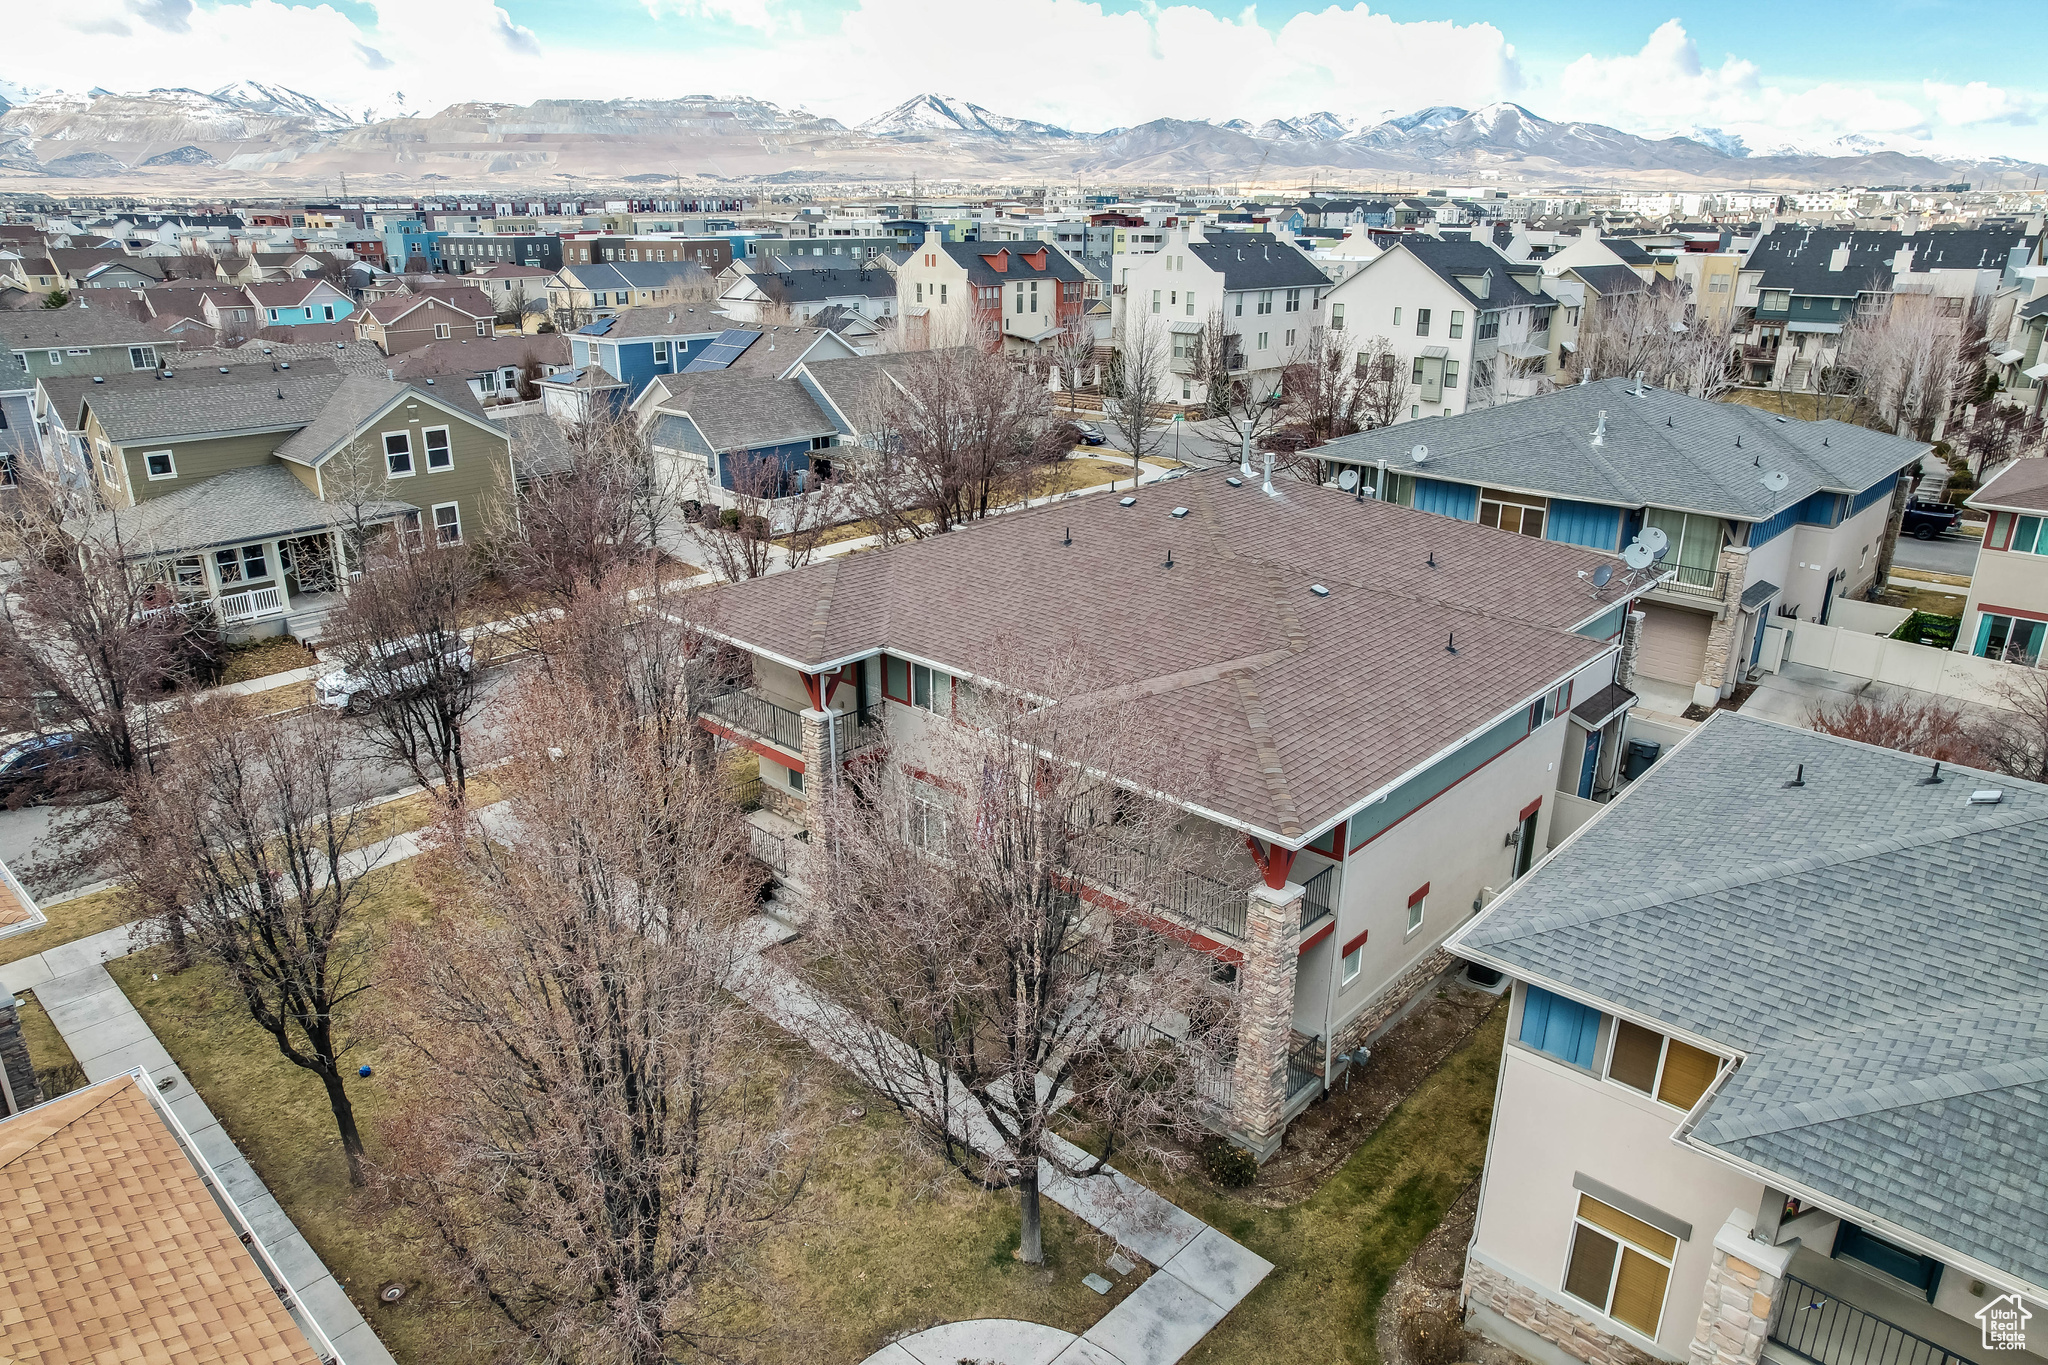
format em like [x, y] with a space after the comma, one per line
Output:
[1742, 1292]
[818, 771]
[1265, 1016]
[1631, 645]
[1733, 567]
[18, 1087]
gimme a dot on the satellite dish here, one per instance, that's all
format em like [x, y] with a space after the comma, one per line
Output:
[1419, 454]
[1603, 575]
[1348, 480]
[1659, 553]
[1654, 538]
[1777, 480]
[1637, 556]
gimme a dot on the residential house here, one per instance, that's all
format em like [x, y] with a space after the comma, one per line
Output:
[640, 346]
[238, 488]
[519, 291]
[125, 1238]
[460, 253]
[406, 321]
[289, 302]
[801, 294]
[1589, 248]
[77, 340]
[2006, 613]
[1771, 1063]
[2019, 353]
[709, 254]
[1582, 293]
[1762, 519]
[71, 265]
[491, 366]
[1469, 327]
[226, 309]
[1015, 298]
[1295, 625]
[581, 292]
[1266, 294]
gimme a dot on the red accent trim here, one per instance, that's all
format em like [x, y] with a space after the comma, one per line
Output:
[1418, 895]
[921, 775]
[812, 685]
[1274, 861]
[1354, 945]
[1180, 933]
[1317, 937]
[1453, 787]
[2011, 611]
[1331, 845]
[1531, 809]
[780, 757]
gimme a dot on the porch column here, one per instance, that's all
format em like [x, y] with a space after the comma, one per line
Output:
[1265, 1015]
[1631, 645]
[1733, 567]
[1742, 1292]
[818, 768]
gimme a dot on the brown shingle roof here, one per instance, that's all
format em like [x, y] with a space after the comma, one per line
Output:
[2021, 485]
[114, 1249]
[1301, 705]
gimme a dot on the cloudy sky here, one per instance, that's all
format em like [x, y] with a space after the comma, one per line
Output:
[1943, 75]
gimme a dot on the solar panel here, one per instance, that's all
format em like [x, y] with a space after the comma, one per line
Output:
[727, 347]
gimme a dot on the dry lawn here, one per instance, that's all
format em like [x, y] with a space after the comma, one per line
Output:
[261, 658]
[68, 920]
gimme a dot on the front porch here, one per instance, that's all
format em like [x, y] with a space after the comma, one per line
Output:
[1835, 1311]
[286, 585]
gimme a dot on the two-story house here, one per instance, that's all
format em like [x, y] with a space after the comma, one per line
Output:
[580, 292]
[1265, 294]
[491, 367]
[1012, 297]
[290, 302]
[77, 341]
[2006, 613]
[1346, 847]
[1773, 1064]
[405, 321]
[1759, 518]
[1470, 327]
[801, 294]
[639, 346]
[240, 486]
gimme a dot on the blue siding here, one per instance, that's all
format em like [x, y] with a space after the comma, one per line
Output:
[1583, 523]
[1563, 1028]
[794, 456]
[1876, 492]
[1821, 509]
[1437, 778]
[1764, 532]
[1460, 500]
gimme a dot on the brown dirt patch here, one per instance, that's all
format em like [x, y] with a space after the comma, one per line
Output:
[1420, 1322]
[1325, 1135]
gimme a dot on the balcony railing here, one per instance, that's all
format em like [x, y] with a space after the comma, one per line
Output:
[1212, 1080]
[253, 605]
[860, 728]
[1697, 582]
[1200, 902]
[1827, 1331]
[1319, 896]
[753, 714]
[1305, 1065]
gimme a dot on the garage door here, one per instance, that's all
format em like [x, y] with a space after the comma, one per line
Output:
[1674, 644]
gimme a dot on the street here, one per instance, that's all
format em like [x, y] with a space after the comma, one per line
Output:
[1951, 553]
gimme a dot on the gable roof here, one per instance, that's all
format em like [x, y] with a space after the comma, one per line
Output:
[37, 329]
[474, 355]
[471, 303]
[1606, 280]
[741, 411]
[1310, 704]
[1000, 262]
[172, 411]
[812, 286]
[1257, 260]
[288, 293]
[112, 1237]
[359, 400]
[2021, 486]
[1888, 1002]
[1509, 284]
[1660, 449]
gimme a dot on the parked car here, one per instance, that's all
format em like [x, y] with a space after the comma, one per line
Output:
[1927, 520]
[35, 769]
[391, 669]
[1090, 434]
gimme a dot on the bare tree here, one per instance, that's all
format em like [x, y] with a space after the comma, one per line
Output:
[1247, 403]
[247, 846]
[1930, 727]
[1073, 357]
[1140, 370]
[1917, 355]
[608, 1134]
[613, 508]
[1656, 331]
[1321, 391]
[1383, 385]
[2015, 741]
[531, 372]
[400, 635]
[741, 538]
[989, 940]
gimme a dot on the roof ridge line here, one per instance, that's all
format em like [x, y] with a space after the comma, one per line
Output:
[1270, 767]
[1785, 867]
[1903, 1094]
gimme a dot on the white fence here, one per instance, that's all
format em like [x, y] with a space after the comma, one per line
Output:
[1871, 618]
[1901, 663]
[253, 605]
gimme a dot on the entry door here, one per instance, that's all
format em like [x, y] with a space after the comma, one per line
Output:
[1591, 765]
[1525, 844]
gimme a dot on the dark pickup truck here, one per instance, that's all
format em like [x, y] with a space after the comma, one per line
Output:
[1929, 520]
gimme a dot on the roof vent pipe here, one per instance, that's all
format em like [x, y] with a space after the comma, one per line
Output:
[391, 375]
[1600, 430]
[1639, 382]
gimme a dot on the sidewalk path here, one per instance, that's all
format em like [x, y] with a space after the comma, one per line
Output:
[1199, 1276]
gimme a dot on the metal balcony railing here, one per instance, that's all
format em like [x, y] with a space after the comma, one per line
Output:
[1696, 582]
[1305, 1064]
[753, 714]
[1198, 901]
[1319, 896]
[1827, 1331]
[1212, 1079]
[860, 728]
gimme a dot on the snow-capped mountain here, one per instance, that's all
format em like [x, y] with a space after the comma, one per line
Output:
[927, 114]
[259, 98]
[1321, 126]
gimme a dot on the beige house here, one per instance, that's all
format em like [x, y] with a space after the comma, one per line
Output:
[405, 322]
[1293, 629]
[1772, 1070]
[2006, 614]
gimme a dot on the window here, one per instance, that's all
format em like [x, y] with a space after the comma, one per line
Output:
[439, 456]
[942, 293]
[447, 523]
[1550, 706]
[1290, 337]
[2015, 639]
[1034, 296]
[107, 471]
[1718, 285]
[1563, 1028]
[1155, 300]
[1294, 300]
[1416, 376]
[440, 331]
[1422, 322]
[1457, 324]
[1450, 374]
[1336, 317]
[328, 311]
[1950, 308]
[159, 464]
[1354, 959]
[1020, 297]
[1518, 512]
[1397, 317]
[408, 526]
[1266, 301]
[273, 315]
[488, 382]
[142, 357]
[1674, 1072]
[1619, 1264]
[1236, 311]
[1416, 905]
[931, 690]
[483, 327]
[1262, 339]
[245, 565]
[188, 572]
[1777, 300]
[1190, 297]
[398, 453]
[661, 353]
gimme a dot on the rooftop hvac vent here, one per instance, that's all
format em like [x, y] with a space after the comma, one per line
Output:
[1180, 511]
[1990, 796]
[1126, 502]
[1319, 590]
[1234, 481]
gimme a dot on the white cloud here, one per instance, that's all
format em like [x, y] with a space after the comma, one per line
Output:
[1979, 102]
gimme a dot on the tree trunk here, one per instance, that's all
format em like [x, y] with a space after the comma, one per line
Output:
[345, 1120]
[181, 951]
[1030, 1242]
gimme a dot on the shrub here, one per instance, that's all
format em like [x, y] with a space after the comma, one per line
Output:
[1228, 1164]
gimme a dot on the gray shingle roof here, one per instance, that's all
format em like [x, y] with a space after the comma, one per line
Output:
[171, 411]
[1661, 449]
[1256, 260]
[1308, 704]
[1859, 940]
[258, 503]
[809, 286]
[738, 411]
[540, 447]
[1513, 284]
[33, 329]
[1610, 279]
